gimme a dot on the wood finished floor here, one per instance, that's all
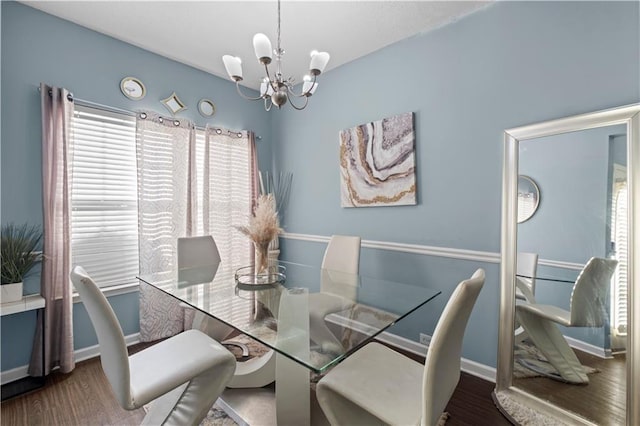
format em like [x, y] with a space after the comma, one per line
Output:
[84, 398]
[603, 400]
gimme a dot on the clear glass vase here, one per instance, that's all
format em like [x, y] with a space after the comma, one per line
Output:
[262, 257]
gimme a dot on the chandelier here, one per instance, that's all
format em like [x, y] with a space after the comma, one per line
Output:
[276, 90]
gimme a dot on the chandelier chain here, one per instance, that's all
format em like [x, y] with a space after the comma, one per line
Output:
[278, 28]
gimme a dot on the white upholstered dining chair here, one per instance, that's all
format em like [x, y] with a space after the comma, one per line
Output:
[338, 288]
[199, 252]
[526, 272]
[587, 308]
[254, 373]
[377, 385]
[182, 375]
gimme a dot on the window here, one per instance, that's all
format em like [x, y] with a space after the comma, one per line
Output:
[104, 195]
[104, 218]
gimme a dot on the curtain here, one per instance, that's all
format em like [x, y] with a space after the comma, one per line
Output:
[165, 150]
[229, 192]
[55, 285]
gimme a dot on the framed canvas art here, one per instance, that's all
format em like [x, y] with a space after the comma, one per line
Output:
[377, 163]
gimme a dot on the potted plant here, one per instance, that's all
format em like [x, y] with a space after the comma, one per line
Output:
[19, 255]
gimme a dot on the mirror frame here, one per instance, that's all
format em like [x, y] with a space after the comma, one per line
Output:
[630, 116]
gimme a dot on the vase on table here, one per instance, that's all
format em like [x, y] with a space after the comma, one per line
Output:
[262, 257]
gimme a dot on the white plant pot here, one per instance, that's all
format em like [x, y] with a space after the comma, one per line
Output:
[10, 292]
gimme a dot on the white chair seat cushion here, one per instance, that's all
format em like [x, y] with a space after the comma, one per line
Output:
[380, 381]
[549, 312]
[323, 304]
[172, 362]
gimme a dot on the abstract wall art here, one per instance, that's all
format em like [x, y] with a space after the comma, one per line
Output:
[377, 163]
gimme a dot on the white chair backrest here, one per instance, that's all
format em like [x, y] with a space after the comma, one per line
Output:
[527, 267]
[590, 293]
[197, 251]
[442, 365]
[113, 349]
[342, 254]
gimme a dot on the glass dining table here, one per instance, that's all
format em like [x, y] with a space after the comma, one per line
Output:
[310, 318]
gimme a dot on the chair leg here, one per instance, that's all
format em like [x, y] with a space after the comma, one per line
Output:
[547, 337]
[188, 404]
[242, 346]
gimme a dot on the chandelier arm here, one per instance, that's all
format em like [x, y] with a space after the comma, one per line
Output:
[244, 96]
[266, 70]
[267, 104]
[303, 94]
[306, 101]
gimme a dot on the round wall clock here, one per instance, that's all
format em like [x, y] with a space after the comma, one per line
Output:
[132, 88]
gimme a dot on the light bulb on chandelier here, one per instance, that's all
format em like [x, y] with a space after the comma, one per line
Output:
[276, 90]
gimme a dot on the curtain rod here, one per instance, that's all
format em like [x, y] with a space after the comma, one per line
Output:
[107, 108]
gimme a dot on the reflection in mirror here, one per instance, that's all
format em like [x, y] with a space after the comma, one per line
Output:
[528, 198]
[574, 324]
[578, 319]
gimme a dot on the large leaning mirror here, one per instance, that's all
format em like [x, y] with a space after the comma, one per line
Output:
[569, 342]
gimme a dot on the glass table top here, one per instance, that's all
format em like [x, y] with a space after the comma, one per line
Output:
[314, 316]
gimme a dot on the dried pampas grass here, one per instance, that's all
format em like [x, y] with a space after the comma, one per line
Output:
[263, 224]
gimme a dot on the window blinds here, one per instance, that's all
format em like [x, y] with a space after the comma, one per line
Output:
[104, 218]
[620, 232]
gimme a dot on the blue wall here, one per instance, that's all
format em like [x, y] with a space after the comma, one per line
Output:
[508, 65]
[511, 64]
[39, 47]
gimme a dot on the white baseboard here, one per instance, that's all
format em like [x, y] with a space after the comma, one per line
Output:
[587, 347]
[18, 373]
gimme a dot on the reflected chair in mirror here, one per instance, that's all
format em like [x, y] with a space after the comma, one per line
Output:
[377, 385]
[338, 288]
[182, 376]
[202, 252]
[588, 308]
[526, 270]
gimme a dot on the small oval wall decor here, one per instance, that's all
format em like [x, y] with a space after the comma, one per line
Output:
[206, 107]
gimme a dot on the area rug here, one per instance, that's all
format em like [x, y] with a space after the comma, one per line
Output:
[526, 355]
[522, 415]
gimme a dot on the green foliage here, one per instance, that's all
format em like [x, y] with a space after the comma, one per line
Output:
[19, 251]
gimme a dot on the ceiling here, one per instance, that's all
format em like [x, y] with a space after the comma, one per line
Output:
[198, 33]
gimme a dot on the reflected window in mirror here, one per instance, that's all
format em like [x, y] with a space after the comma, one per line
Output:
[528, 198]
[619, 248]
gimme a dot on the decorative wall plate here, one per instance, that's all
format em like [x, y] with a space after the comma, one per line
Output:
[206, 107]
[132, 88]
[173, 104]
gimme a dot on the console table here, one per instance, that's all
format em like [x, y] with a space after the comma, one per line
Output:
[26, 384]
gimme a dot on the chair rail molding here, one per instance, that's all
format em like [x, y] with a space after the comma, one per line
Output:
[454, 253]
